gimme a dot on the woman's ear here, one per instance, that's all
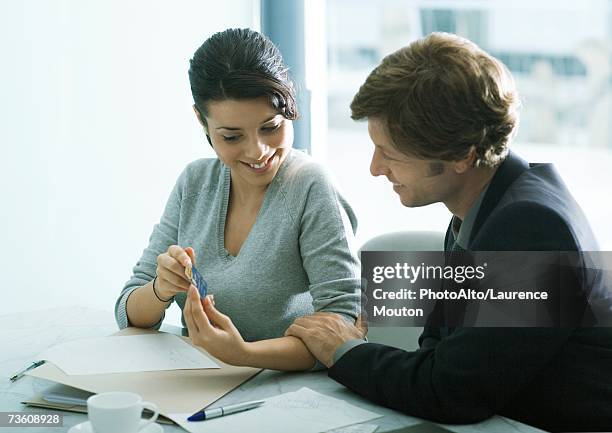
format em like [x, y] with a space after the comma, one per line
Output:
[204, 125]
[198, 115]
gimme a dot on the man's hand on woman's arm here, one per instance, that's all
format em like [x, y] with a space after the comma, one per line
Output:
[323, 333]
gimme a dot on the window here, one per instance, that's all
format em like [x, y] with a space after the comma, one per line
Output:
[559, 54]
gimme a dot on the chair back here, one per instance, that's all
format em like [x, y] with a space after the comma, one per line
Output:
[401, 337]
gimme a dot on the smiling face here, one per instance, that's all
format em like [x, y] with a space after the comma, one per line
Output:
[418, 182]
[251, 138]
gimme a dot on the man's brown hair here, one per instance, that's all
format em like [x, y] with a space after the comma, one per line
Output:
[439, 97]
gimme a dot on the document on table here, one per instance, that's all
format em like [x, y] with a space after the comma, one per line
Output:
[306, 411]
[126, 354]
[356, 428]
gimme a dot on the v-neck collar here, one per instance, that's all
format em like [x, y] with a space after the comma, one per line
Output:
[225, 187]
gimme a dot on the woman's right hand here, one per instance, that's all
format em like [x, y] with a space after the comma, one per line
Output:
[171, 278]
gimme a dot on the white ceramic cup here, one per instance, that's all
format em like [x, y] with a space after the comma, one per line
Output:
[114, 412]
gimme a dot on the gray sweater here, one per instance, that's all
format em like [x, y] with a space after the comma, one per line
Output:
[298, 258]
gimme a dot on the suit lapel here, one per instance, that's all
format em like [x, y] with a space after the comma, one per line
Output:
[512, 167]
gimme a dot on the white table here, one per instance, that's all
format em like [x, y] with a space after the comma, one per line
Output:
[24, 335]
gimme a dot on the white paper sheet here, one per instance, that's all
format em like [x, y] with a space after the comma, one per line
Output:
[357, 428]
[126, 354]
[303, 411]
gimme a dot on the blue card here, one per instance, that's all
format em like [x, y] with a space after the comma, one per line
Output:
[199, 282]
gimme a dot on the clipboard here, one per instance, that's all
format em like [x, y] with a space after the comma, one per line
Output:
[174, 391]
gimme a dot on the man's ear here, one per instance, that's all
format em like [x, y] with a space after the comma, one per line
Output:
[462, 165]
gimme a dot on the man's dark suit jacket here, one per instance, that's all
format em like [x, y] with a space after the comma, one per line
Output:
[557, 379]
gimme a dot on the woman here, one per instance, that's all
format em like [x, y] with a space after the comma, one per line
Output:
[262, 222]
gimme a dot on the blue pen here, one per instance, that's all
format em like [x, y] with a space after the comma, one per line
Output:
[227, 410]
[21, 373]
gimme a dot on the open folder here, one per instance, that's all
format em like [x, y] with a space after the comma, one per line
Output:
[172, 391]
[40, 401]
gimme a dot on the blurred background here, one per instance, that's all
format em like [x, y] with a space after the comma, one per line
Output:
[96, 121]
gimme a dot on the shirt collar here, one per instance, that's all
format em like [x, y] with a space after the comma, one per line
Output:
[463, 229]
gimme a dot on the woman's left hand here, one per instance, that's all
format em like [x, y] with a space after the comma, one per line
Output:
[213, 331]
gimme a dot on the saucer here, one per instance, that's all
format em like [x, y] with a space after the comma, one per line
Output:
[85, 427]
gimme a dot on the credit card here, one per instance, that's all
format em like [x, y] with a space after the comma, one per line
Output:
[197, 280]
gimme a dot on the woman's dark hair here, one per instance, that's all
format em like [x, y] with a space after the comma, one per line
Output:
[241, 64]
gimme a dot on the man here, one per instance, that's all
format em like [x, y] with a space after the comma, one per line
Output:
[441, 114]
